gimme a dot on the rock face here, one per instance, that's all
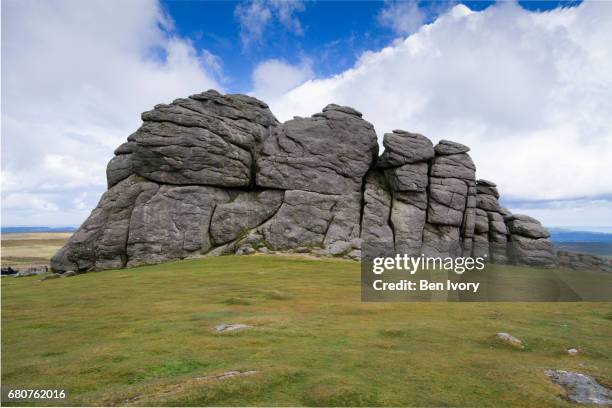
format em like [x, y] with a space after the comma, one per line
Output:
[215, 174]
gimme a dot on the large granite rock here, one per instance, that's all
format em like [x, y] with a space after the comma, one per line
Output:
[403, 147]
[328, 153]
[217, 174]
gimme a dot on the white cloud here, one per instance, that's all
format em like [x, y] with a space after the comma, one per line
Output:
[403, 17]
[255, 16]
[571, 213]
[529, 92]
[75, 78]
[274, 77]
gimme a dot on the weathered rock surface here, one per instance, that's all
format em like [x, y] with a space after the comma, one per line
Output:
[581, 388]
[375, 222]
[216, 174]
[403, 147]
[447, 147]
[529, 241]
[328, 153]
[229, 327]
[245, 212]
[510, 340]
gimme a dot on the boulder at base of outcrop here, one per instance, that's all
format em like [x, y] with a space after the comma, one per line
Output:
[581, 388]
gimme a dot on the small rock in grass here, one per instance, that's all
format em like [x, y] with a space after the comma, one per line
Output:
[68, 274]
[226, 375]
[245, 250]
[581, 388]
[231, 327]
[510, 340]
[574, 351]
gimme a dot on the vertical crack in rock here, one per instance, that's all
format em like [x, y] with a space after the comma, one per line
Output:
[213, 173]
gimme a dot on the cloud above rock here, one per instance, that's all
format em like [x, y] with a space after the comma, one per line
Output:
[75, 78]
[529, 92]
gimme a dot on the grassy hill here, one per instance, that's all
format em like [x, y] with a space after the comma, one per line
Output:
[145, 336]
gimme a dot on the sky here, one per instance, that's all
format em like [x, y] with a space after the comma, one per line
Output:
[526, 85]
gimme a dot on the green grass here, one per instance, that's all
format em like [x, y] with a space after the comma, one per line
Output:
[141, 336]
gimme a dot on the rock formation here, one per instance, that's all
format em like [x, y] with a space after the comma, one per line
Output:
[217, 174]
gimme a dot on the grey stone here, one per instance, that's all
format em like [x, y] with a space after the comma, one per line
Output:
[486, 187]
[468, 224]
[481, 246]
[497, 224]
[173, 154]
[229, 327]
[408, 177]
[328, 153]
[510, 340]
[100, 243]
[403, 147]
[408, 222]
[530, 251]
[245, 250]
[581, 388]
[447, 201]
[487, 202]
[172, 224]
[312, 219]
[584, 261]
[216, 174]
[454, 166]
[125, 148]
[68, 274]
[527, 226]
[441, 241]
[119, 168]
[245, 212]
[375, 226]
[446, 147]
[486, 190]
[482, 222]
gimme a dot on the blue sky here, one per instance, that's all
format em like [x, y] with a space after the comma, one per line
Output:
[526, 85]
[333, 33]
